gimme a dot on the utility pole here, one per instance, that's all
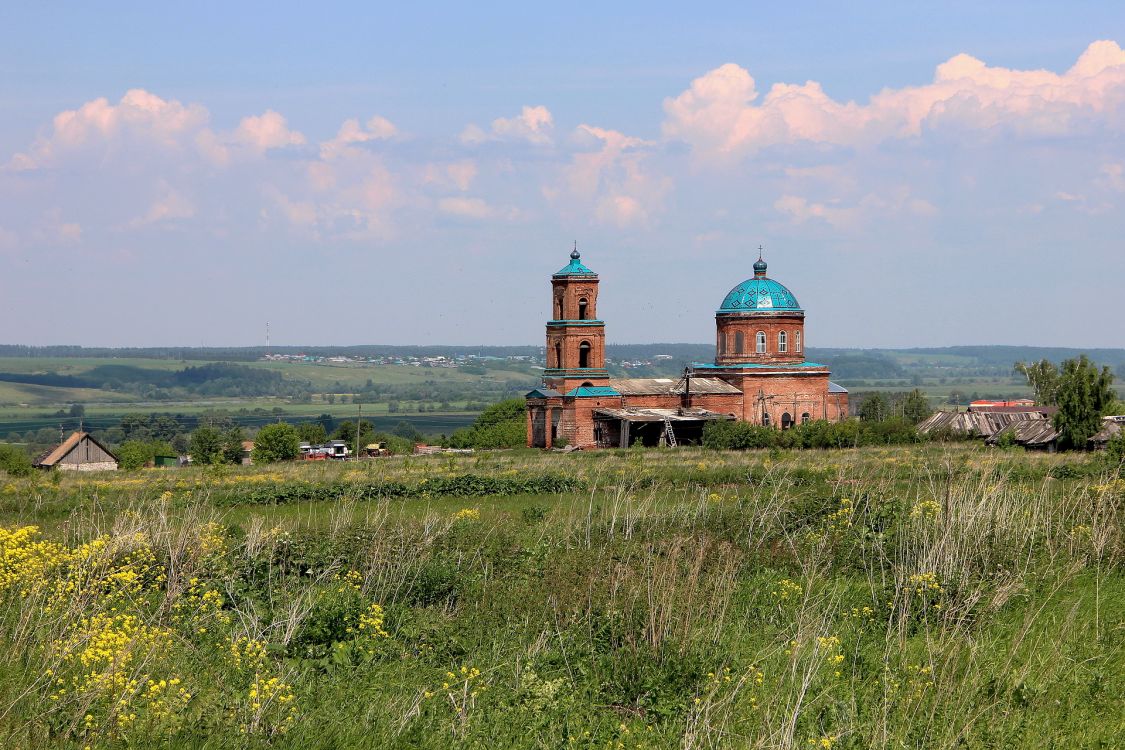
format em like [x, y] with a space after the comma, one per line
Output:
[358, 422]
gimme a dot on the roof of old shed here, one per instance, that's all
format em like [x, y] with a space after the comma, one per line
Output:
[671, 386]
[1030, 432]
[1111, 427]
[639, 414]
[983, 423]
[56, 454]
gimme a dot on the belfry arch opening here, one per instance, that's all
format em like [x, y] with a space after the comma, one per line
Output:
[558, 355]
[584, 355]
[582, 306]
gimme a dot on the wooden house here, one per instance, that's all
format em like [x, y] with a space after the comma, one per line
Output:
[79, 452]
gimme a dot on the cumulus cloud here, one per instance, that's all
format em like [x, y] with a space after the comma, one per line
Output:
[351, 132]
[169, 206]
[719, 115]
[610, 174]
[138, 116]
[532, 124]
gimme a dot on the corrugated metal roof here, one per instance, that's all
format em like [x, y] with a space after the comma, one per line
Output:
[1033, 433]
[544, 393]
[671, 386]
[638, 414]
[836, 388]
[984, 423]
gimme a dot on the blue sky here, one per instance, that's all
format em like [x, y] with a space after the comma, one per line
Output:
[919, 176]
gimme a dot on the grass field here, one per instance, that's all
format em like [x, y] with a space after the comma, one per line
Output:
[923, 597]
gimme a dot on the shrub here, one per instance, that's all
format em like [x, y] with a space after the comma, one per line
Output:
[15, 461]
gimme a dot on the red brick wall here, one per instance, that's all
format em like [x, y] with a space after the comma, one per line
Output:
[728, 327]
[569, 292]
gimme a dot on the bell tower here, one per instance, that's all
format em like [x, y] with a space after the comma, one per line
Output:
[575, 335]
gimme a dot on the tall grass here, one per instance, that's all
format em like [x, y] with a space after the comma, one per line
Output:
[933, 596]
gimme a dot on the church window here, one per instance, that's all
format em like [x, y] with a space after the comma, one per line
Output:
[761, 342]
[722, 344]
[558, 308]
[805, 418]
[582, 308]
[584, 354]
[786, 421]
[782, 342]
[765, 419]
[739, 343]
[558, 356]
[797, 341]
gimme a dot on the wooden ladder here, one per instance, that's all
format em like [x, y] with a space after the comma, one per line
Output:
[668, 434]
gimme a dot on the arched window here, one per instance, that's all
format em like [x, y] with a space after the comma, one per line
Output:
[760, 347]
[722, 343]
[765, 419]
[786, 421]
[558, 356]
[582, 308]
[782, 342]
[805, 418]
[584, 354]
[739, 342]
[797, 341]
[559, 308]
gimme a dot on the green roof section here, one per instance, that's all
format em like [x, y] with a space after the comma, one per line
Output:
[575, 267]
[592, 391]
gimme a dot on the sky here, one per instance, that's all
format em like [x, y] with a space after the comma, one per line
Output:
[361, 173]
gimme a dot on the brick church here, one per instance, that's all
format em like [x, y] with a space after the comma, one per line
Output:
[759, 374]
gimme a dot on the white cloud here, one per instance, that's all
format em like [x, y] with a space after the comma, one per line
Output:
[265, 131]
[169, 206]
[376, 129]
[611, 176]
[720, 116]
[533, 125]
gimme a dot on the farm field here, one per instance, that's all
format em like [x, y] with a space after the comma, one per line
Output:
[933, 596]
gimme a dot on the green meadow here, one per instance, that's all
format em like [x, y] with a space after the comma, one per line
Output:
[932, 596]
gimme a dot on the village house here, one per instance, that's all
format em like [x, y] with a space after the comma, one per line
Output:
[759, 374]
[79, 452]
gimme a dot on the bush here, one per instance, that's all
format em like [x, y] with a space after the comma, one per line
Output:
[15, 461]
[276, 442]
[502, 425]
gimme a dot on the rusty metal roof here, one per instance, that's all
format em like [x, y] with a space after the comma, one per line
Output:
[985, 424]
[671, 386]
[1033, 433]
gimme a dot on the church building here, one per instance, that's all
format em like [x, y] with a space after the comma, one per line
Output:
[759, 374]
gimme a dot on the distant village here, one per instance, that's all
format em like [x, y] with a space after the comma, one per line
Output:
[451, 361]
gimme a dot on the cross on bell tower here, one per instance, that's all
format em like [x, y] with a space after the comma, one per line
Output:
[575, 335]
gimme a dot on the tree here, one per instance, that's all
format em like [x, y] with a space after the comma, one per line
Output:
[206, 446]
[1083, 395]
[232, 445]
[77, 410]
[407, 431]
[874, 408]
[134, 454]
[312, 432]
[1043, 377]
[346, 432]
[14, 461]
[276, 442]
[916, 407]
[502, 425]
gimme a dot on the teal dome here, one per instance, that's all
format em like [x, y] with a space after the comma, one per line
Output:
[759, 294]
